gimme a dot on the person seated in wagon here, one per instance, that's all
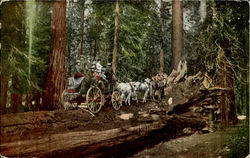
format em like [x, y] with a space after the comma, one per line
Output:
[78, 69]
[103, 76]
[99, 67]
[88, 63]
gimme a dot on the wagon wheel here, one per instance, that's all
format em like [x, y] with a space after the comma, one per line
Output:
[94, 99]
[116, 100]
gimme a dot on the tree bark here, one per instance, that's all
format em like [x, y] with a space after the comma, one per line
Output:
[69, 44]
[82, 30]
[95, 50]
[20, 99]
[224, 112]
[228, 107]
[98, 143]
[14, 96]
[149, 62]
[177, 33]
[37, 101]
[153, 64]
[13, 102]
[56, 67]
[69, 66]
[232, 115]
[29, 100]
[161, 49]
[90, 49]
[247, 98]
[4, 90]
[115, 36]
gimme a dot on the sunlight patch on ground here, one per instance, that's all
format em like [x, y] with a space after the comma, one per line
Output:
[126, 116]
[241, 117]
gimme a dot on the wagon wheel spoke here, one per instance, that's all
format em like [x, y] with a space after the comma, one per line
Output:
[116, 100]
[94, 99]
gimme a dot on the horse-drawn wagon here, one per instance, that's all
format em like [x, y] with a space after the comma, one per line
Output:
[90, 92]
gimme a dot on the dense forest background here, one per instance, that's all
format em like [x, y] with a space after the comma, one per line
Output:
[213, 31]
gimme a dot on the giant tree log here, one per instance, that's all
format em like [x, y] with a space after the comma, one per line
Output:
[96, 143]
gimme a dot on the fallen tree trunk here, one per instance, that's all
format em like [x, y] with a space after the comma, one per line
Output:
[97, 143]
[198, 99]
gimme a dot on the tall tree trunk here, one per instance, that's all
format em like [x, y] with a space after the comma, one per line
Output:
[19, 99]
[4, 90]
[69, 44]
[13, 102]
[29, 100]
[232, 115]
[115, 36]
[14, 96]
[224, 111]
[161, 49]
[69, 66]
[149, 62]
[247, 96]
[153, 65]
[228, 106]
[82, 30]
[95, 50]
[37, 101]
[55, 75]
[90, 49]
[177, 33]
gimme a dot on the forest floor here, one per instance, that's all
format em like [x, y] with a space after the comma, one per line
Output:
[207, 145]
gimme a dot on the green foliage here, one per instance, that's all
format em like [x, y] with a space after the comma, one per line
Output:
[238, 144]
[13, 43]
[41, 42]
[226, 27]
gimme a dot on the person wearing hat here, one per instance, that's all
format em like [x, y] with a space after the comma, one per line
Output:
[82, 65]
[78, 64]
[103, 76]
[109, 72]
[88, 63]
[78, 69]
[99, 66]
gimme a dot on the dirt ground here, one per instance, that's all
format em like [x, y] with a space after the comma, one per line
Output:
[209, 145]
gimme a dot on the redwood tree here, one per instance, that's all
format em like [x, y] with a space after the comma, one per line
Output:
[15, 96]
[4, 89]
[115, 36]
[55, 73]
[177, 33]
[82, 30]
[161, 49]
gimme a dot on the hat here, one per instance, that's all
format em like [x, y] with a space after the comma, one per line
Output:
[78, 61]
